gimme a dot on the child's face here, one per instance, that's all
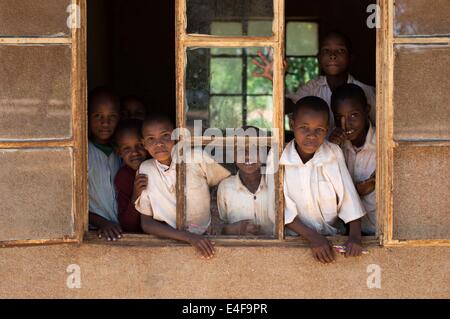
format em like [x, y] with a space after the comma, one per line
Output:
[158, 142]
[352, 118]
[103, 120]
[133, 109]
[252, 164]
[131, 149]
[334, 57]
[310, 129]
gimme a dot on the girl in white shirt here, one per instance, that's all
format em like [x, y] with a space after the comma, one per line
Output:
[319, 192]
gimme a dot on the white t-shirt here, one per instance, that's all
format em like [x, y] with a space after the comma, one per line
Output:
[159, 198]
[361, 165]
[319, 87]
[236, 203]
[321, 192]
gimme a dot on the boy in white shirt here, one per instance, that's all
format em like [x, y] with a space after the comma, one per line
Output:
[357, 137]
[243, 199]
[334, 57]
[318, 189]
[157, 203]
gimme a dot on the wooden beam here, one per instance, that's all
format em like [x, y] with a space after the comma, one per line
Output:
[180, 63]
[79, 123]
[418, 243]
[278, 114]
[39, 242]
[422, 40]
[422, 143]
[227, 42]
[36, 144]
[36, 40]
[384, 87]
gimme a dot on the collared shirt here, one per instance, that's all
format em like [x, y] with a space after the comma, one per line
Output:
[236, 203]
[159, 198]
[361, 165]
[321, 191]
[101, 173]
[319, 87]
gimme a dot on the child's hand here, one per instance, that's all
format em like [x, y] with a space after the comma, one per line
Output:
[203, 245]
[110, 231]
[321, 249]
[241, 228]
[366, 187]
[265, 65]
[246, 227]
[353, 247]
[338, 136]
[140, 183]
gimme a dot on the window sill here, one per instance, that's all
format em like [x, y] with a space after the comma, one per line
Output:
[144, 240]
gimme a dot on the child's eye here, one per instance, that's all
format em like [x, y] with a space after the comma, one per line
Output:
[319, 131]
[354, 115]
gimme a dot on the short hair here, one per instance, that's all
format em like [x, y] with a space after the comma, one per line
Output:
[101, 95]
[244, 129]
[129, 98]
[158, 118]
[348, 91]
[342, 36]
[128, 125]
[313, 103]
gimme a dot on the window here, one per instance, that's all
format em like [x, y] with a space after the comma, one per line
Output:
[43, 122]
[236, 97]
[302, 47]
[413, 145]
[45, 157]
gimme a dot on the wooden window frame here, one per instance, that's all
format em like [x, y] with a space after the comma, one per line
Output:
[386, 144]
[185, 41]
[78, 140]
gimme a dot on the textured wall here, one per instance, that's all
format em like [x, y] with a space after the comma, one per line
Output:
[238, 272]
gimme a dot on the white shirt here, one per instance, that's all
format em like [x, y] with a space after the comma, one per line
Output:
[159, 198]
[319, 87]
[361, 165]
[236, 203]
[101, 172]
[321, 191]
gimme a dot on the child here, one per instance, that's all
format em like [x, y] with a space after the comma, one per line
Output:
[131, 107]
[318, 189]
[243, 199]
[334, 59]
[103, 163]
[129, 186]
[157, 203]
[357, 137]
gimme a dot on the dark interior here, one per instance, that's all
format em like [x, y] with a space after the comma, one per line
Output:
[131, 44]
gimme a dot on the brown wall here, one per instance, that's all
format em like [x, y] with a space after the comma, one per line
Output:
[236, 272]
